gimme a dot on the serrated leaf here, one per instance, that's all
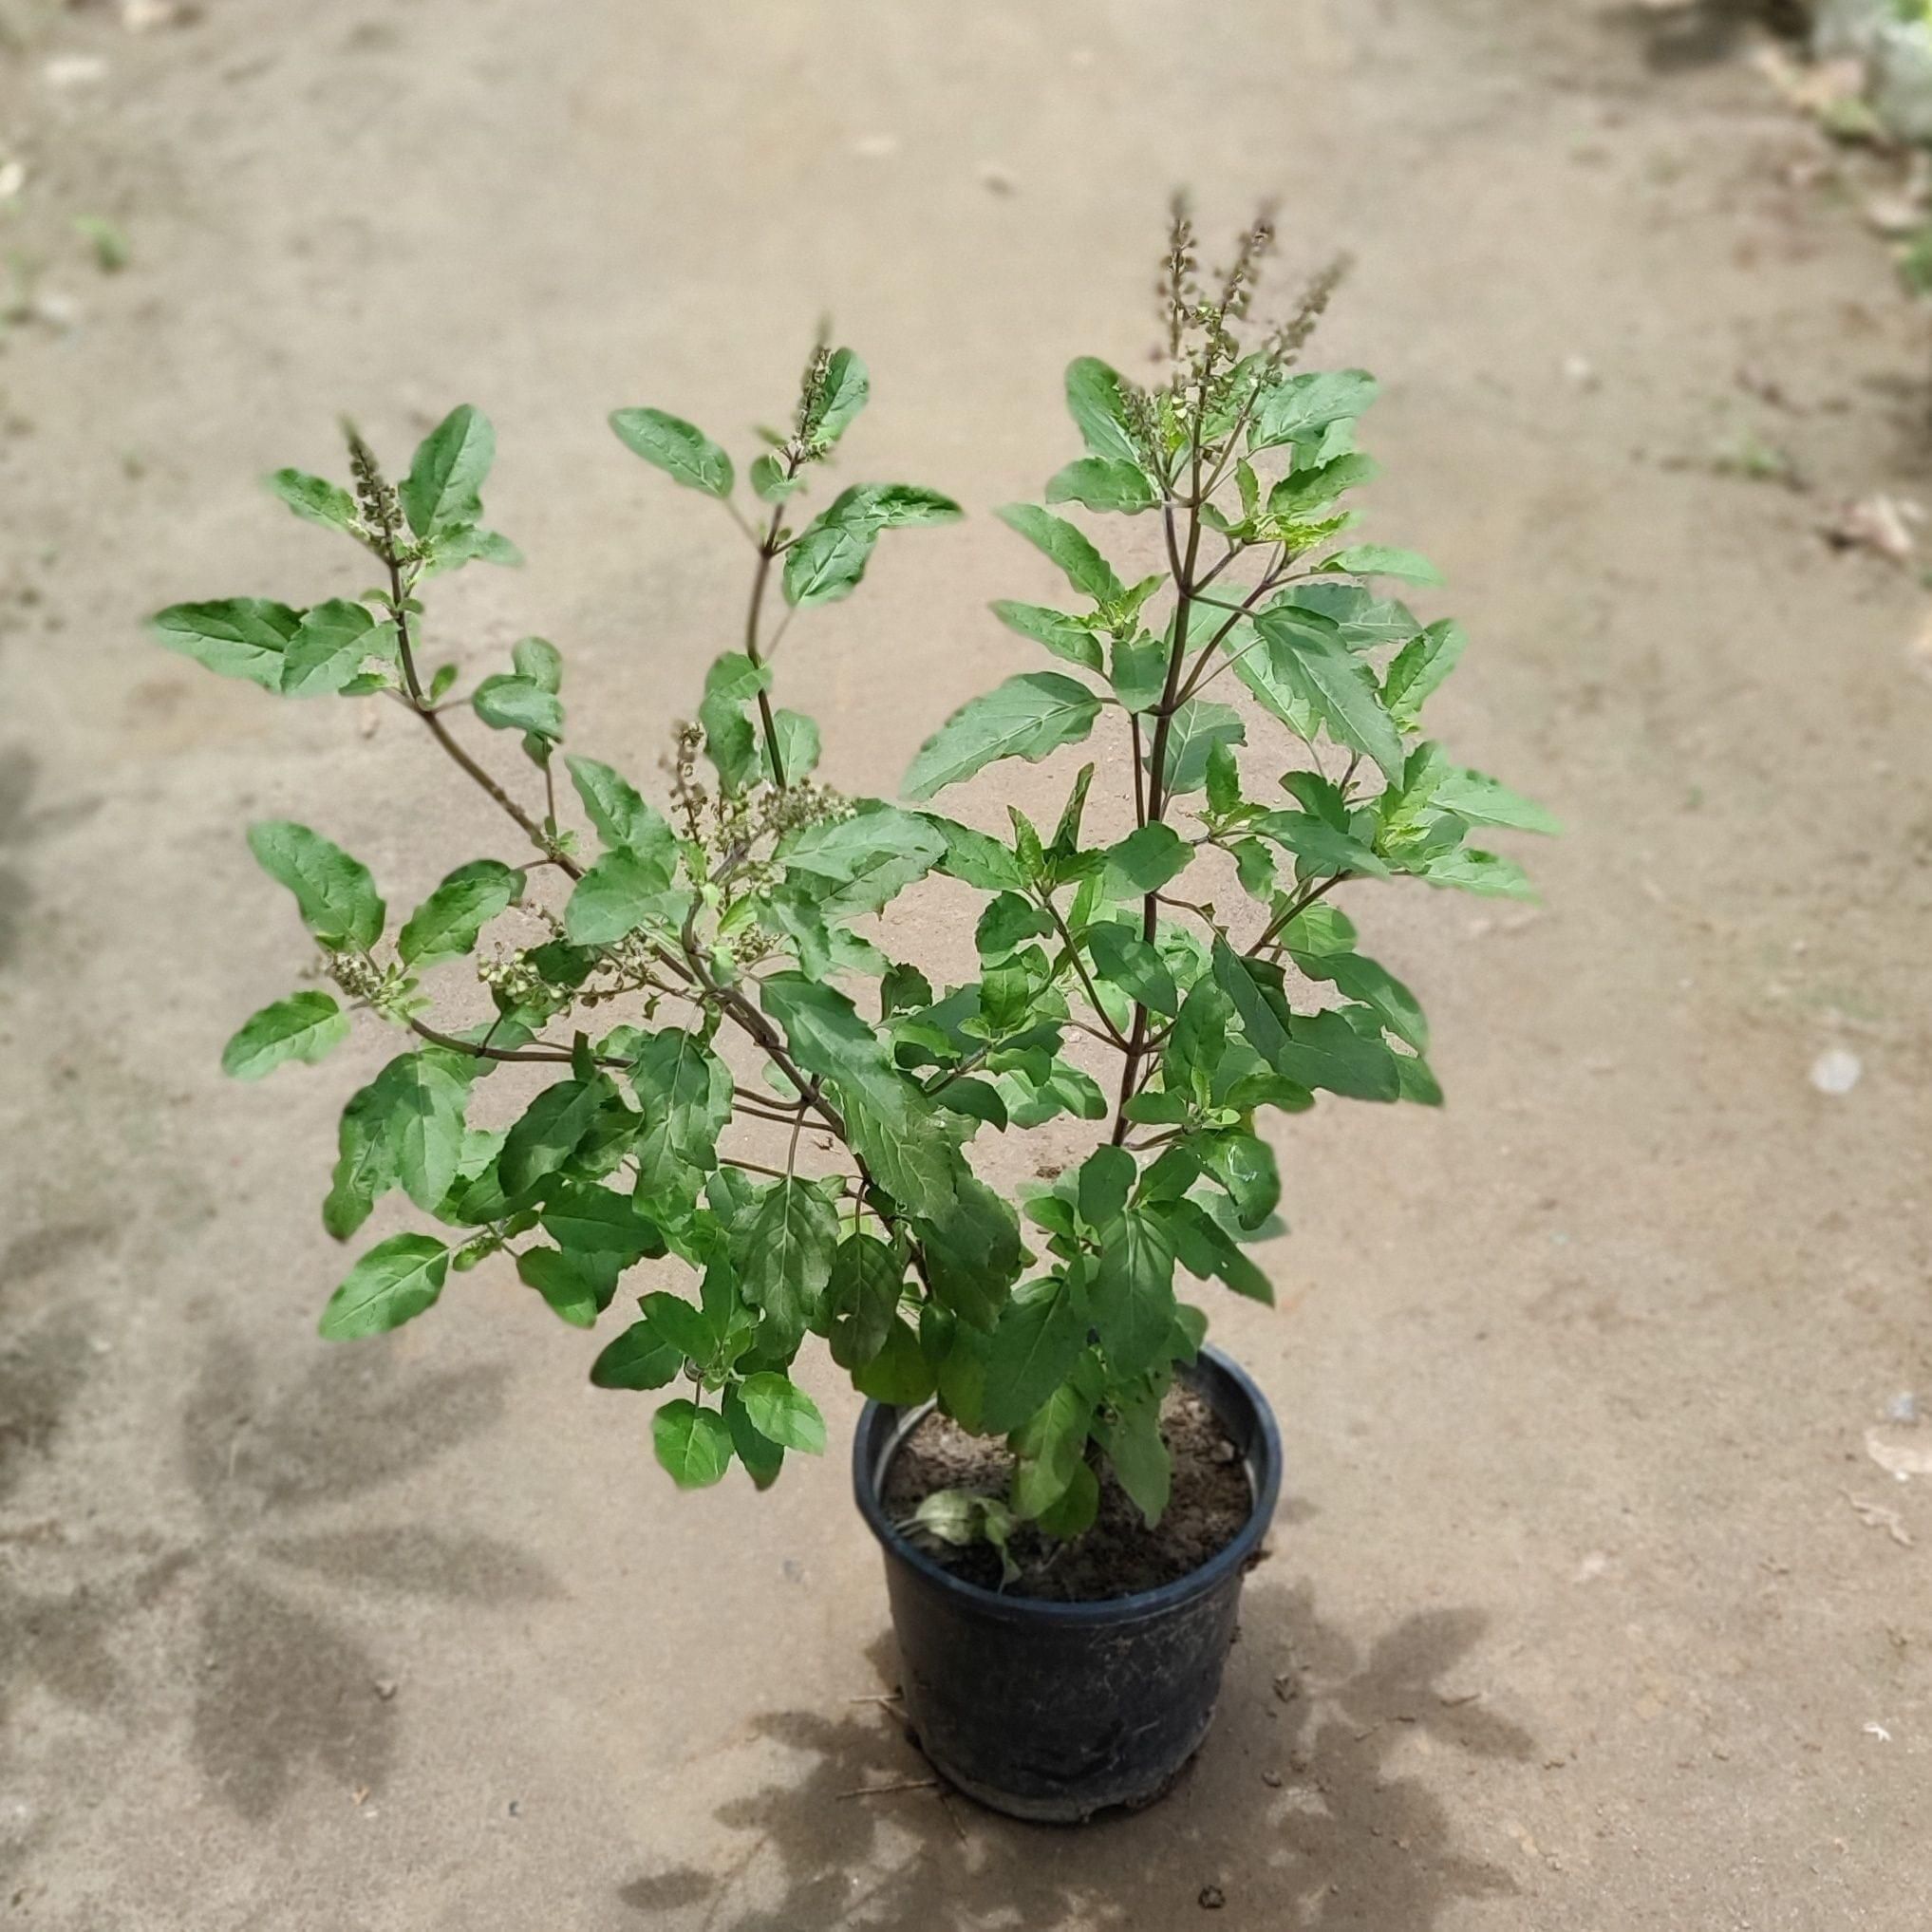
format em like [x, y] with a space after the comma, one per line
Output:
[1085, 569]
[314, 498]
[568, 1287]
[1100, 483]
[1123, 959]
[1301, 407]
[304, 1027]
[1373, 986]
[1308, 657]
[856, 865]
[1197, 726]
[618, 893]
[784, 1259]
[1144, 861]
[1484, 800]
[862, 1299]
[1028, 716]
[394, 1282]
[1063, 635]
[683, 1091]
[1040, 1337]
[841, 395]
[334, 893]
[447, 924]
[552, 1129]
[330, 646]
[237, 637]
[1382, 560]
[681, 449]
[1132, 1295]
[447, 473]
[1096, 399]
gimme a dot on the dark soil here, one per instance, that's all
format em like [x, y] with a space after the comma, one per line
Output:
[1119, 1555]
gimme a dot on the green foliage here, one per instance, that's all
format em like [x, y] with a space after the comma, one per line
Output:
[726, 1079]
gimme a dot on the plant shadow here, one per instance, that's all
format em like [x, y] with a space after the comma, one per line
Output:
[1700, 33]
[1309, 1809]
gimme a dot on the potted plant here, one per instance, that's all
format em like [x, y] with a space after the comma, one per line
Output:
[694, 1044]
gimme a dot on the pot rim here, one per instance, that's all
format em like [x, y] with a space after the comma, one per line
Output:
[1262, 1461]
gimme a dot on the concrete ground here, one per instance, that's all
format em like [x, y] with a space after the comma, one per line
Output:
[1590, 1609]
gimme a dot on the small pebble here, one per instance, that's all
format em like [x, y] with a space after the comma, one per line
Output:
[385, 1688]
[1836, 1071]
[1272, 1779]
[1213, 1898]
[1903, 1408]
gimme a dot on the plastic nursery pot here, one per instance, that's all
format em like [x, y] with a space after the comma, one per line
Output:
[1052, 1711]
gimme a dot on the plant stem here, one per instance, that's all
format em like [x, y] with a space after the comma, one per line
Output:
[767, 549]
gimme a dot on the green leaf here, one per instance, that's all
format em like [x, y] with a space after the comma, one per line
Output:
[238, 637]
[1470, 870]
[1382, 560]
[682, 1326]
[784, 1259]
[1300, 407]
[1040, 1336]
[334, 893]
[568, 1287]
[553, 1126]
[769, 482]
[763, 1459]
[732, 680]
[899, 1375]
[1085, 569]
[1483, 800]
[798, 746]
[395, 1281]
[862, 1299]
[1144, 861]
[1320, 849]
[1106, 1178]
[783, 1413]
[639, 1359]
[506, 702]
[592, 1220]
[1138, 673]
[618, 893]
[447, 473]
[685, 1091]
[1326, 1051]
[678, 448]
[446, 925]
[1050, 1445]
[1063, 635]
[693, 1444]
[892, 1125]
[1198, 727]
[538, 661]
[855, 865]
[1306, 492]
[315, 500]
[1073, 1513]
[974, 858]
[972, 1251]
[1245, 1167]
[1374, 985]
[1306, 654]
[1123, 959]
[1418, 668]
[304, 1027]
[1361, 619]
[365, 1166]
[1142, 1464]
[828, 557]
[1133, 1293]
[421, 1105]
[1096, 399]
[329, 648]
[1100, 483]
[462, 543]
[841, 395]
[1027, 717]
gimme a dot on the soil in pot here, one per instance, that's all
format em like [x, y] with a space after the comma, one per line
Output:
[1119, 1555]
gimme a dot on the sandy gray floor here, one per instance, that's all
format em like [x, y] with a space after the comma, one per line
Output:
[1585, 1627]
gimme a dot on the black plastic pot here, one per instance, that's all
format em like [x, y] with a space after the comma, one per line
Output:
[1054, 1712]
